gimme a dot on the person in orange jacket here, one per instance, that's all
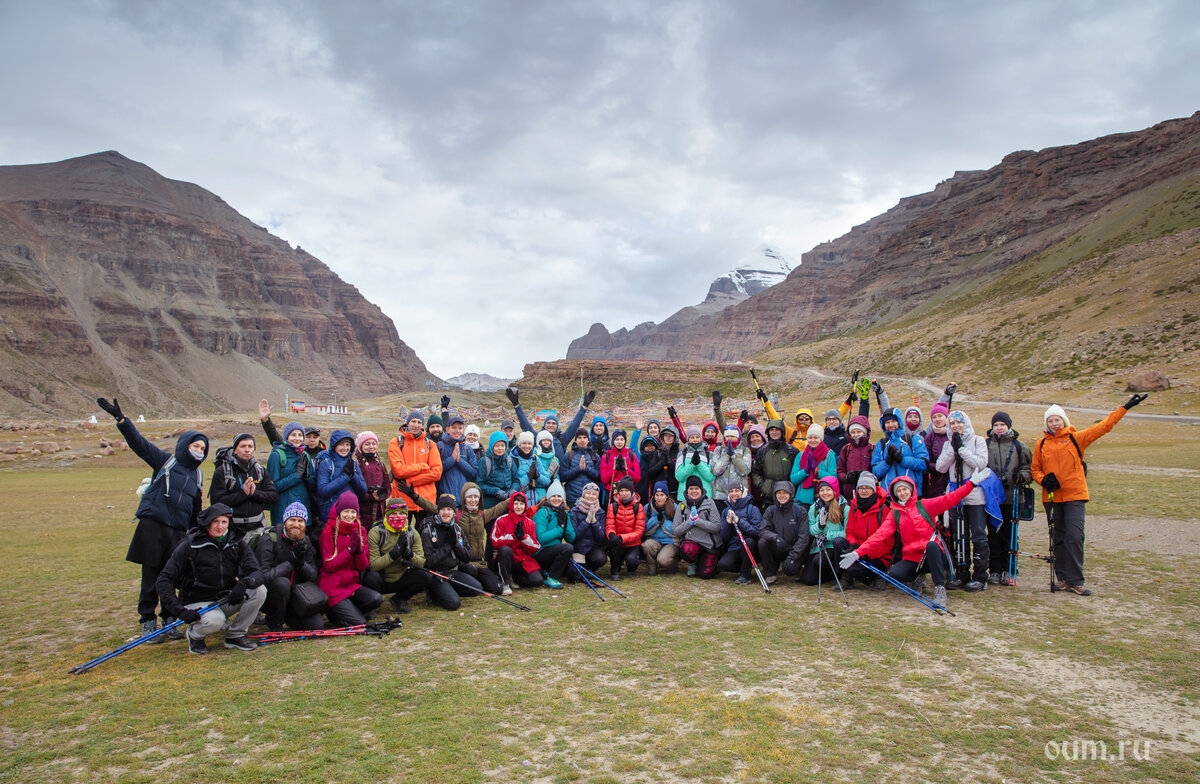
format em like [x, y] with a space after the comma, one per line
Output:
[1058, 466]
[414, 459]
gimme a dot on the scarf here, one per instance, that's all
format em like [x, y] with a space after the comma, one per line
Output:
[810, 460]
[588, 508]
[864, 503]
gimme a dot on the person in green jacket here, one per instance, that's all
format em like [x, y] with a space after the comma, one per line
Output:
[816, 462]
[694, 459]
[395, 556]
[826, 518]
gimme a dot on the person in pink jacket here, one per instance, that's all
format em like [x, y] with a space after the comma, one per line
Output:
[343, 560]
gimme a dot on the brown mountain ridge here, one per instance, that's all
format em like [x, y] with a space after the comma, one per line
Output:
[117, 280]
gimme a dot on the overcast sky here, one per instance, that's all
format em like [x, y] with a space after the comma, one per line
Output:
[497, 176]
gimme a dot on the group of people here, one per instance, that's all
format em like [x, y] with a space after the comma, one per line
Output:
[436, 511]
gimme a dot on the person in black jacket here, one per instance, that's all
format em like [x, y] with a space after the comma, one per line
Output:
[243, 484]
[654, 466]
[784, 529]
[447, 551]
[287, 559]
[210, 565]
[169, 507]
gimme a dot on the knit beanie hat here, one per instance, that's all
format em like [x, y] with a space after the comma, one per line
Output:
[815, 429]
[693, 430]
[1055, 410]
[525, 437]
[661, 487]
[1001, 416]
[866, 479]
[831, 481]
[296, 509]
[694, 481]
[240, 437]
[625, 484]
[590, 486]
[731, 431]
[471, 429]
[289, 427]
[939, 408]
[833, 412]
[414, 415]
[544, 435]
[347, 500]
[363, 438]
[434, 419]
[555, 488]
[618, 432]
[395, 504]
[446, 501]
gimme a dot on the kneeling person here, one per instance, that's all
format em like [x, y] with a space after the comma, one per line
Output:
[210, 564]
[395, 554]
[447, 551]
[288, 560]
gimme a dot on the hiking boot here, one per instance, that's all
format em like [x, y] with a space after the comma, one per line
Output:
[772, 579]
[240, 643]
[260, 619]
[994, 578]
[551, 583]
[615, 576]
[275, 628]
[956, 584]
[399, 605]
[173, 634]
[1079, 590]
[692, 571]
[939, 595]
[197, 646]
[918, 584]
[742, 580]
[1058, 585]
[149, 627]
[506, 590]
[976, 585]
[1007, 579]
[877, 585]
[652, 570]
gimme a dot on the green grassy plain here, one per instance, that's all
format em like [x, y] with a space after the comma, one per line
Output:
[683, 681]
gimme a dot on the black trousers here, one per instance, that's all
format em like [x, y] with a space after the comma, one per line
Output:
[412, 582]
[619, 554]
[486, 578]
[1067, 518]
[279, 594]
[771, 551]
[555, 559]
[934, 561]
[352, 610]
[504, 564]
[968, 524]
[819, 569]
[1000, 541]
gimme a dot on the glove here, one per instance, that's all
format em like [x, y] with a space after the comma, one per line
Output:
[849, 559]
[1050, 482]
[349, 469]
[397, 553]
[1130, 403]
[980, 475]
[876, 388]
[588, 398]
[863, 390]
[744, 415]
[237, 595]
[851, 397]
[619, 463]
[758, 393]
[533, 472]
[614, 539]
[696, 458]
[299, 552]
[302, 466]
[716, 399]
[956, 441]
[188, 615]
[893, 454]
[519, 531]
[445, 401]
[950, 389]
[380, 493]
[513, 396]
[671, 412]
[114, 409]
[406, 488]
[789, 566]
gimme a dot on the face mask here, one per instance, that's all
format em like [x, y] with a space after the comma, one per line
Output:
[198, 454]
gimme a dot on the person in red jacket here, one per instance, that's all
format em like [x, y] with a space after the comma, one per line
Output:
[920, 543]
[624, 525]
[867, 509]
[343, 559]
[619, 462]
[514, 545]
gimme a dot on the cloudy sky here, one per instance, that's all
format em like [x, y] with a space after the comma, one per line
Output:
[497, 176]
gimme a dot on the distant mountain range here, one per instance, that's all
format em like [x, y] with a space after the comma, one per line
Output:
[119, 281]
[753, 274]
[480, 382]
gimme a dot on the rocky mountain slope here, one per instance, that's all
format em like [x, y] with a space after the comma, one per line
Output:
[116, 280]
[978, 235]
[479, 382]
[764, 267]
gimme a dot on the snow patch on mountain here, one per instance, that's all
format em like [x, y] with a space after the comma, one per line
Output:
[480, 382]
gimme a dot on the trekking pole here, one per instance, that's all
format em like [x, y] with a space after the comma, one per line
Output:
[473, 588]
[586, 580]
[761, 580]
[1050, 534]
[1047, 558]
[377, 629]
[595, 577]
[820, 565]
[1014, 539]
[939, 609]
[134, 643]
[837, 581]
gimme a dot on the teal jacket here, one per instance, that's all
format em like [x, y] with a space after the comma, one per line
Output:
[827, 467]
[831, 531]
[685, 468]
[553, 529]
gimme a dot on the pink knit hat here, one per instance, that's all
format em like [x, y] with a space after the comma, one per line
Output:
[364, 437]
[939, 408]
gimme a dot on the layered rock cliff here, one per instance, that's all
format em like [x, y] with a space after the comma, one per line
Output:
[116, 280]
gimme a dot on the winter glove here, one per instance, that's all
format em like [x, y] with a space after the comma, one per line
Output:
[614, 539]
[863, 390]
[1130, 403]
[956, 441]
[519, 531]
[237, 595]
[188, 615]
[406, 488]
[848, 559]
[445, 401]
[397, 553]
[980, 475]
[851, 397]
[696, 458]
[893, 454]
[951, 389]
[671, 412]
[619, 463]
[349, 469]
[743, 416]
[716, 399]
[876, 388]
[302, 466]
[381, 493]
[1050, 482]
[114, 409]
[789, 566]
[758, 393]
[588, 398]
[533, 472]
[513, 396]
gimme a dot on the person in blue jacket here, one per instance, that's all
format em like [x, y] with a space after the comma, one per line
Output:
[562, 437]
[336, 473]
[893, 456]
[290, 468]
[459, 464]
[497, 471]
[588, 517]
[598, 433]
[740, 510]
[532, 474]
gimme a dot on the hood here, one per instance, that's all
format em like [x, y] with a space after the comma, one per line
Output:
[911, 483]
[781, 485]
[891, 413]
[592, 426]
[920, 419]
[514, 497]
[340, 435]
[756, 428]
[494, 439]
[717, 432]
[777, 423]
[647, 440]
[668, 428]
[862, 421]
[968, 430]
[800, 411]
[182, 455]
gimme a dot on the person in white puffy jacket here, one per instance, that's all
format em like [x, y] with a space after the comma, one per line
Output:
[963, 454]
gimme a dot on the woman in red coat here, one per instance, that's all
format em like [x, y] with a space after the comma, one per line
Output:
[920, 543]
[514, 544]
[343, 560]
